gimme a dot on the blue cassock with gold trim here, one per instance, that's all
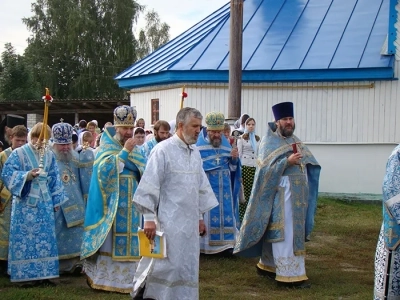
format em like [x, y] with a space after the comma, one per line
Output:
[223, 219]
[109, 205]
[264, 217]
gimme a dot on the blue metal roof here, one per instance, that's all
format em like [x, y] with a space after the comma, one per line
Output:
[283, 40]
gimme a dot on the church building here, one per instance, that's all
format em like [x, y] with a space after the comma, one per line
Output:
[336, 60]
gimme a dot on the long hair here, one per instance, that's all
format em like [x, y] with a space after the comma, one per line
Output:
[246, 135]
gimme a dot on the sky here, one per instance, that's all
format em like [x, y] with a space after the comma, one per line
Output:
[180, 15]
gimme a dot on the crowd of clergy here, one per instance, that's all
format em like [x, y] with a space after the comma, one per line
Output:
[74, 205]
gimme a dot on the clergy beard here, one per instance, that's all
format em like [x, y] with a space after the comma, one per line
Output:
[287, 131]
[63, 156]
[119, 138]
[215, 142]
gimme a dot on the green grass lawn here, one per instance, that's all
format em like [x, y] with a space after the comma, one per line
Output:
[339, 264]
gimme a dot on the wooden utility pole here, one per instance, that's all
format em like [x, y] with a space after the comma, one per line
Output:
[235, 61]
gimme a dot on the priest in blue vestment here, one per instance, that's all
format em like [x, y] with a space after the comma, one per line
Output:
[387, 256]
[219, 161]
[69, 219]
[37, 194]
[110, 240]
[280, 214]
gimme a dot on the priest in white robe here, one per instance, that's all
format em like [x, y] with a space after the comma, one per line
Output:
[173, 195]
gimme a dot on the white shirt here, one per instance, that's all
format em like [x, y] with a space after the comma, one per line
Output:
[246, 153]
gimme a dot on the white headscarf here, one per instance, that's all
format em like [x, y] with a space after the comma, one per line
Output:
[238, 123]
[172, 125]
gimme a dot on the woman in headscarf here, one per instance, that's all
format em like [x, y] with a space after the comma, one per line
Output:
[91, 126]
[248, 150]
[140, 123]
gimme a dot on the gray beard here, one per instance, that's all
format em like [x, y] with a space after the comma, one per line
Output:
[189, 140]
[118, 137]
[62, 156]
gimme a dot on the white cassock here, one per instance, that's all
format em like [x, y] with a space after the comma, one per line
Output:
[175, 189]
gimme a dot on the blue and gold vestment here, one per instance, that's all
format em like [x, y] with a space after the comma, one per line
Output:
[109, 205]
[264, 217]
[222, 221]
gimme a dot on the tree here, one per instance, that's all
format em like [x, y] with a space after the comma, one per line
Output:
[153, 36]
[16, 79]
[78, 46]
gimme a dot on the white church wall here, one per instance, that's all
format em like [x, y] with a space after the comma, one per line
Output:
[355, 121]
[352, 168]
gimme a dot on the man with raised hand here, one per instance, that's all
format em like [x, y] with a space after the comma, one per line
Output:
[280, 214]
[110, 241]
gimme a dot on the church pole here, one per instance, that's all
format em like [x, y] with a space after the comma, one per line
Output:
[235, 61]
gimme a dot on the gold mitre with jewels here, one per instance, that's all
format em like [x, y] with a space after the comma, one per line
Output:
[124, 115]
[215, 121]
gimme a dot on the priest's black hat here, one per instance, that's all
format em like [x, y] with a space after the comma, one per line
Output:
[14, 120]
[283, 110]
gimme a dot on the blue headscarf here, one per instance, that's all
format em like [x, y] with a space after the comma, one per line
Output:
[252, 136]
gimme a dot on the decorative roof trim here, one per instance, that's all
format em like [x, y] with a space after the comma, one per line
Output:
[168, 77]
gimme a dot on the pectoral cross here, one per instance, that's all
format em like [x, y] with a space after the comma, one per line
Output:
[217, 160]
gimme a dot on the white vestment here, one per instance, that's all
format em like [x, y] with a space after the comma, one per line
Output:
[176, 190]
[279, 257]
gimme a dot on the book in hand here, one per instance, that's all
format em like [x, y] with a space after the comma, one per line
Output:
[156, 248]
